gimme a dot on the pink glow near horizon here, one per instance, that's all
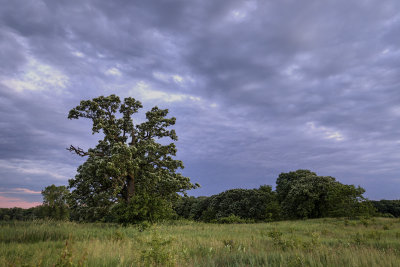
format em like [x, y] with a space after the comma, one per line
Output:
[11, 202]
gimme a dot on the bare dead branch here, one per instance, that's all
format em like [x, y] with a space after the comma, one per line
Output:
[79, 151]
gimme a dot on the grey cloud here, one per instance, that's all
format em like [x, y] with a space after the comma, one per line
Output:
[10, 53]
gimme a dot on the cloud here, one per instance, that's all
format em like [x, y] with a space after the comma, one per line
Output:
[177, 78]
[36, 167]
[37, 76]
[20, 191]
[12, 202]
[113, 72]
[146, 93]
[12, 52]
[242, 11]
[324, 132]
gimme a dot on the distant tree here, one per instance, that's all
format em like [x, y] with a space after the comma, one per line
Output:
[346, 201]
[55, 202]
[307, 197]
[303, 194]
[128, 170]
[285, 181]
[183, 206]
[253, 204]
[199, 209]
[245, 203]
[387, 207]
[11, 214]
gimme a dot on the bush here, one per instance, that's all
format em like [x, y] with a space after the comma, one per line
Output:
[232, 219]
[158, 253]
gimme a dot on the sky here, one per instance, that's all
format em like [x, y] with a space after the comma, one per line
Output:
[258, 87]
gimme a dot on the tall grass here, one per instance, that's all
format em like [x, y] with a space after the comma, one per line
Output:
[321, 242]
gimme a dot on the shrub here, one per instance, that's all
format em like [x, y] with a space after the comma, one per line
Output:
[232, 219]
[158, 254]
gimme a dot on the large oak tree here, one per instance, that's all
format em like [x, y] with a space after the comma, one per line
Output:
[129, 162]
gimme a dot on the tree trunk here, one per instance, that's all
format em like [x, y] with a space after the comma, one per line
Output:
[130, 187]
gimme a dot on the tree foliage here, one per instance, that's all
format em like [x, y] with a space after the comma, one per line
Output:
[303, 194]
[55, 203]
[245, 203]
[285, 181]
[128, 162]
[388, 207]
[255, 204]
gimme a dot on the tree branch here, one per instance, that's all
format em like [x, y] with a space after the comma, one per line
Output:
[133, 141]
[79, 151]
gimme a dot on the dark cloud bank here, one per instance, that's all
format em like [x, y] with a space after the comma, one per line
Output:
[258, 87]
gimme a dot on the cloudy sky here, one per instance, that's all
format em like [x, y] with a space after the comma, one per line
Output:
[258, 87]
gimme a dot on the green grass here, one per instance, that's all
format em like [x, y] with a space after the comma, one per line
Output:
[321, 242]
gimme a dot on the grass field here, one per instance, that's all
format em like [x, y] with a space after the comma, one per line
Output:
[320, 242]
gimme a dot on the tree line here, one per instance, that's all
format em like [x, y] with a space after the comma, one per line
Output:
[388, 208]
[299, 194]
[54, 207]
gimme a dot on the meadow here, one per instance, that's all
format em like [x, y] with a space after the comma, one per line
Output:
[316, 242]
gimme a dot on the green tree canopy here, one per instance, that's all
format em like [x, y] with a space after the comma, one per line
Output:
[285, 181]
[303, 194]
[388, 207]
[55, 202]
[55, 195]
[128, 162]
[255, 204]
[245, 203]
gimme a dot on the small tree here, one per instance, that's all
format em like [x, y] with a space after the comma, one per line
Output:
[55, 202]
[127, 165]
